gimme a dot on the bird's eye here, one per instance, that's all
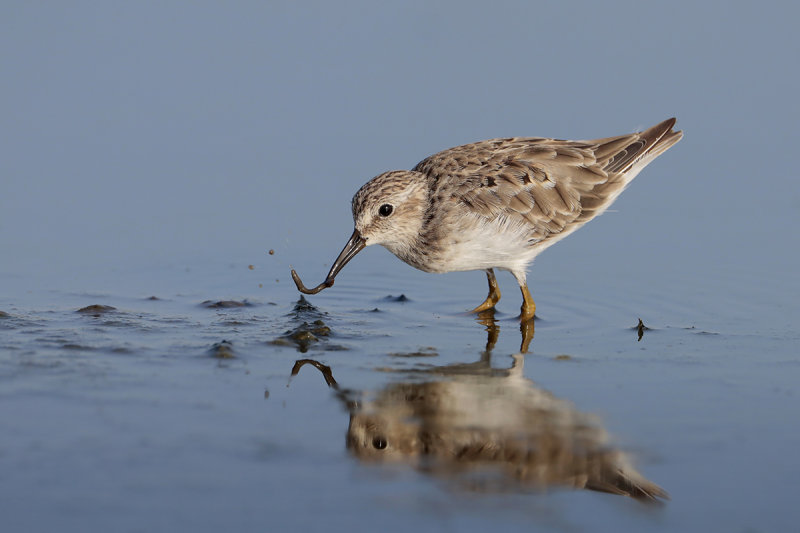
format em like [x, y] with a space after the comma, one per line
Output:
[386, 210]
[379, 443]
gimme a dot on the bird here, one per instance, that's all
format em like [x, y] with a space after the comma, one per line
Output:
[495, 204]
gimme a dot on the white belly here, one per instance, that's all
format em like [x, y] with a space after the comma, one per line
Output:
[488, 245]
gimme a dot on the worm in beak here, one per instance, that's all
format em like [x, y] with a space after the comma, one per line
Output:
[353, 246]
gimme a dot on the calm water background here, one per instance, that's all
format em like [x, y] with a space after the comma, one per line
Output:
[161, 150]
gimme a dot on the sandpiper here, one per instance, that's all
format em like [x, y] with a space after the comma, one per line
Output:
[496, 203]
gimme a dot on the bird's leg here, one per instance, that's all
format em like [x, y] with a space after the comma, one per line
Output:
[528, 308]
[494, 293]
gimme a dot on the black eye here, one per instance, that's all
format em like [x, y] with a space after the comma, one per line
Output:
[386, 210]
[379, 443]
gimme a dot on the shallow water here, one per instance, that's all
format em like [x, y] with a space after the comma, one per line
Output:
[161, 151]
[181, 411]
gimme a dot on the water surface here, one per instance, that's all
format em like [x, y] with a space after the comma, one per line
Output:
[161, 150]
[180, 410]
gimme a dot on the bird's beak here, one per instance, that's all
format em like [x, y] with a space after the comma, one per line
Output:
[353, 246]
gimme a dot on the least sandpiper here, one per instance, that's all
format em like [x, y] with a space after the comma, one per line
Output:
[496, 203]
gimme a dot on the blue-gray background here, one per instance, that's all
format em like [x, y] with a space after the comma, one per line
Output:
[156, 133]
[161, 147]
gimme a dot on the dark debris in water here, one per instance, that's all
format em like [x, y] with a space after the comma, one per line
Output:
[225, 304]
[303, 309]
[76, 347]
[430, 351]
[696, 331]
[311, 330]
[122, 350]
[237, 323]
[640, 329]
[401, 298]
[3, 314]
[96, 309]
[222, 350]
[304, 335]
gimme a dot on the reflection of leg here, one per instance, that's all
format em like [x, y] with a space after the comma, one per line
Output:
[492, 329]
[494, 293]
[526, 327]
[528, 308]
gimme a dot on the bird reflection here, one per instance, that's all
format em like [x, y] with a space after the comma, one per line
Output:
[487, 429]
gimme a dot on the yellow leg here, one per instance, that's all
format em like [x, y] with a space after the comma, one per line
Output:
[528, 307]
[494, 293]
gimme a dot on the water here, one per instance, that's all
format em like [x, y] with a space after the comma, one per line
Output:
[172, 413]
[162, 150]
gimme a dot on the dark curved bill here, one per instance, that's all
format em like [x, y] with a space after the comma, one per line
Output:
[353, 246]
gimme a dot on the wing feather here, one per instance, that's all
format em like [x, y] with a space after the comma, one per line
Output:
[546, 185]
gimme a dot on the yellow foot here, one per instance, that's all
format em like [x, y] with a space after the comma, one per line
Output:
[494, 294]
[487, 304]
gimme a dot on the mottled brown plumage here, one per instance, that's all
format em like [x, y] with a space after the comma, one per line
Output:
[496, 203]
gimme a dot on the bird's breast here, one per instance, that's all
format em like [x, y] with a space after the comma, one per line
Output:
[469, 246]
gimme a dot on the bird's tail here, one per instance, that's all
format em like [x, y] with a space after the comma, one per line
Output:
[628, 154]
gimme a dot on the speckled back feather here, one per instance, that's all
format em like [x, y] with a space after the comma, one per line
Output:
[555, 186]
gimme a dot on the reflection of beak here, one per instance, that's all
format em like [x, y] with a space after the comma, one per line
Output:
[353, 246]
